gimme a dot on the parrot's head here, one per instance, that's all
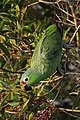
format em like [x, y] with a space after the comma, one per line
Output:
[29, 78]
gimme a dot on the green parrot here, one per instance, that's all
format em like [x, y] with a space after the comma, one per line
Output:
[46, 57]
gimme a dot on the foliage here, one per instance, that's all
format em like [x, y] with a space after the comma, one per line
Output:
[22, 24]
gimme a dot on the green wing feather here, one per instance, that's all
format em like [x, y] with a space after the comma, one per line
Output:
[47, 54]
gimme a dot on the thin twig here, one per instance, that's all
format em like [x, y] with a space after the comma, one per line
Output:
[52, 90]
[50, 81]
[75, 22]
[70, 110]
[11, 112]
[74, 34]
[41, 1]
[64, 11]
[65, 23]
[57, 93]
[72, 73]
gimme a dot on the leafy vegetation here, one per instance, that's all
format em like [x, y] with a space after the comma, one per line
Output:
[22, 24]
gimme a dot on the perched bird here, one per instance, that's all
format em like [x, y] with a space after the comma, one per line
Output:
[46, 56]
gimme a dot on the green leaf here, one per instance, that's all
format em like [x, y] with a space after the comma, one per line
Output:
[13, 103]
[31, 116]
[1, 86]
[4, 100]
[11, 96]
[25, 107]
[42, 106]
[2, 62]
[20, 63]
[2, 37]
[4, 49]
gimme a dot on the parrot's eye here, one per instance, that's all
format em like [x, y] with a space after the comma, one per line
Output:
[26, 79]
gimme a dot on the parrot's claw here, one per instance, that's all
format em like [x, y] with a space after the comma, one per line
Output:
[68, 46]
[60, 70]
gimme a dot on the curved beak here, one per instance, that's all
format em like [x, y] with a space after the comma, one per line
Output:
[22, 82]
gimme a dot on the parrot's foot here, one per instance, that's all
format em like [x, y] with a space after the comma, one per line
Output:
[68, 46]
[60, 70]
[27, 87]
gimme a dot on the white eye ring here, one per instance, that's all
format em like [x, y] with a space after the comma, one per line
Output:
[26, 79]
